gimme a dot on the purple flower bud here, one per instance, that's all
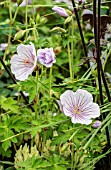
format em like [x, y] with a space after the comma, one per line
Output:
[60, 11]
[96, 124]
[46, 56]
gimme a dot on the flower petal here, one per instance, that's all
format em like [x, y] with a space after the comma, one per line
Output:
[91, 110]
[81, 120]
[46, 56]
[60, 11]
[23, 64]
[83, 98]
[68, 98]
[27, 51]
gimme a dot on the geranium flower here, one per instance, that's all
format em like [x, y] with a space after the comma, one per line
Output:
[23, 63]
[60, 11]
[79, 106]
[46, 56]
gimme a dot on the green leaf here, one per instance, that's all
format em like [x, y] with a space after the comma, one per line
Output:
[6, 145]
[60, 139]
[9, 104]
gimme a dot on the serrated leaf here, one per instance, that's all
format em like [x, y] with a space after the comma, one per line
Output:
[9, 104]
[60, 139]
[42, 164]
[6, 145]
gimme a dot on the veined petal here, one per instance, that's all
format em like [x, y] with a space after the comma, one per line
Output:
[68, 111]
[81, 120]
[46, 56]
[23, 74]
[83, 97]
[27, 51]
[68, 99]
[91, 110]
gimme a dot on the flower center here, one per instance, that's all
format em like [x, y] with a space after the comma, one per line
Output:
[77, 110]
[26, 61]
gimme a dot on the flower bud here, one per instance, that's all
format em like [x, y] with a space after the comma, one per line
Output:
[32, 21]
[96, 124]
[60, 11]
[58, 29]
[69, 12]
[54, 93]
[68, 20]
[43, 20]
[38, 18]
[19, 34]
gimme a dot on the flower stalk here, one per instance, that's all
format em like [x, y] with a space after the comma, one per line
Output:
[99, 65]
[70, 61]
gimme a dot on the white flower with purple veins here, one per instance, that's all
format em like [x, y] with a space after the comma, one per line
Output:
[46, 56]
[79, 106]
[23, 63]
[60, 11]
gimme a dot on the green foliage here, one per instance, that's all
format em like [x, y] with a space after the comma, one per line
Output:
[44, 138]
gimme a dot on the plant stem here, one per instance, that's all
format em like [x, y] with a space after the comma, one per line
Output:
[50, 82]
[10, 32]
[36, 97]
[81, 35]
[97, 40]
[26, 18]
[72, 48]
[33, 9]
[15, 13]
[70, 61]
[80, 30]
[99, 65]
[72, 154]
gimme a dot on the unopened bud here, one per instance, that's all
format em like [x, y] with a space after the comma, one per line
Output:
[43, 20]
[58, 29]
[54, 93]
[67, 20]
[38, 18]
[68, 12]
[19, 34]
[96, 124]
[32, 21]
